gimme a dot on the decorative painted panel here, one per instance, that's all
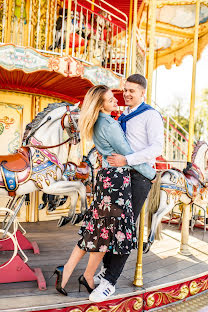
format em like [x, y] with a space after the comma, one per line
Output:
[10, 127]
[29, 60]
[99, 75]
[147, 301]
[14, 112]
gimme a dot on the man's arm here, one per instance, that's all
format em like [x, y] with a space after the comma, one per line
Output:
[155, 133]
[117, 139]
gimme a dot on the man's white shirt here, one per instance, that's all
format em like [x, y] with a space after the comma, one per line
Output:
[145, 134]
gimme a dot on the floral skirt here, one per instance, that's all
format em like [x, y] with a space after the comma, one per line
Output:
[108, 225]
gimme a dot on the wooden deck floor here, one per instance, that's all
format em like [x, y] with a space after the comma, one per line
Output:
[162, 265]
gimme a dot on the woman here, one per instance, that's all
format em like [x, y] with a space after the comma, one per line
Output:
[108, 224]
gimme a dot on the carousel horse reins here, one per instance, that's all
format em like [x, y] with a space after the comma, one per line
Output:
[71, 123]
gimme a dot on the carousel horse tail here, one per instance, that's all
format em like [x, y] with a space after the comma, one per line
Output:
[153, 203]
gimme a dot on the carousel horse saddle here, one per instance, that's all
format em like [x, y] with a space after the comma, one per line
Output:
[82, 171]
[17, 162]
[194, 180]
[193, 187]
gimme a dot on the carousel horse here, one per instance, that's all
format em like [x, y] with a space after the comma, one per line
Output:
[75, 25]
[38, 164]
[174, 187]
[85, 172]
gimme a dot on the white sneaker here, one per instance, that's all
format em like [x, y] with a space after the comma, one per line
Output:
[102, 292]
[97, 278]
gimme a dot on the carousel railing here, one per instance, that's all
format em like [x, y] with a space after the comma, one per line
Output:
[97, 34]
[175, 142]
[140, 52]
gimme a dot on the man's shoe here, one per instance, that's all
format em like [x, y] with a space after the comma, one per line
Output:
[97, 278]
[102, 292]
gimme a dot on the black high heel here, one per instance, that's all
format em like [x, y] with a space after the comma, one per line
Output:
[59, 272]
[82, 281]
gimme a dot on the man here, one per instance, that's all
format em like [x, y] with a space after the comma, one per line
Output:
[144, 130]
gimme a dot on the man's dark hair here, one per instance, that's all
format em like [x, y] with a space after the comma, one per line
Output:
[139, 79]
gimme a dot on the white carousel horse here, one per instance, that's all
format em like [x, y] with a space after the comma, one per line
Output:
[174, 187]
[38, 165]
[85, 172]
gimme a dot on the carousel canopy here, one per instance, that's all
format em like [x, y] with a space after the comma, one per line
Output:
[33, 70]
[175, 22]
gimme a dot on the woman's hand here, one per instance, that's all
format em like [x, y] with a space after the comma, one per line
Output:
[117, 160]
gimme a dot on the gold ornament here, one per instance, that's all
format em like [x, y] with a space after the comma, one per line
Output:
[150, 300]
[138, 304]
[93, 309]
[193, 288]
[167, 297]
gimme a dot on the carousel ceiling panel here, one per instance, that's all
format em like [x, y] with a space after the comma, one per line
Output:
[162, 43]
[174, 32]
[182, 16]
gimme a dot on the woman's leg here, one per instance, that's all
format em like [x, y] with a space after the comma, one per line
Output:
[76, 256]
[94, 260]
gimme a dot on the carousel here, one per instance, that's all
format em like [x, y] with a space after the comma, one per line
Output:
[52, 52]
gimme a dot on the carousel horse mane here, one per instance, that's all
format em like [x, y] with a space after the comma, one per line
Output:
[196, 149]
[35, 123]
[39, 117]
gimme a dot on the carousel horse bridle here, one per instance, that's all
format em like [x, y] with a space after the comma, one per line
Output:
[74, 130]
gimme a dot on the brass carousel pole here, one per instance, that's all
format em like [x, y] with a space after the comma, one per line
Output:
[133, 61]
[185, 222]
[92, 5]
[68, 25]
[9, 12]
[152, 22]
[191, 119]
[129, 39]
[138, 279]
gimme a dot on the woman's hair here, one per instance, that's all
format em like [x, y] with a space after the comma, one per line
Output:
[92, 104]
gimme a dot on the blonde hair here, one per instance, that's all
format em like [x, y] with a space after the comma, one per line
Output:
[92, 104]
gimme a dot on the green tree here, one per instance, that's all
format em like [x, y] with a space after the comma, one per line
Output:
[201, 117]
[179, 113]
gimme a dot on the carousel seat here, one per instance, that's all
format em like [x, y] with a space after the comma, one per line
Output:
[83, 171]
[16, 162]
[80, 171]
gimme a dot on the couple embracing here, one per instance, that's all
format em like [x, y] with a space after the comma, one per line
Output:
[128, 148]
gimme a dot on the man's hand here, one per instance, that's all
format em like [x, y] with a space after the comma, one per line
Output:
[117, 160]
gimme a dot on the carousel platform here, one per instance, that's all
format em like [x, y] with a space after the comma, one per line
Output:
[168, 276]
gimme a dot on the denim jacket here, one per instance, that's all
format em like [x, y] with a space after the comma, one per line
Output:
[109, 138]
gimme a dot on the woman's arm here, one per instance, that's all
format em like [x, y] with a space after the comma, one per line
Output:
[116, 138]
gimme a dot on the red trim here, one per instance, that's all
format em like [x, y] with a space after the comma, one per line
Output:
[114, 23]
[177, 147]
[146, 301]
[176, 130]
[39, 91]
